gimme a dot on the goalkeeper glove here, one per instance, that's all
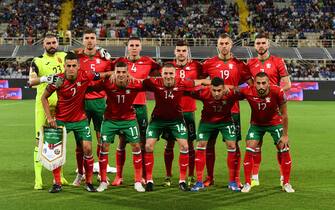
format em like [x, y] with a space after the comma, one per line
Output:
[104, 53]
[50, 79]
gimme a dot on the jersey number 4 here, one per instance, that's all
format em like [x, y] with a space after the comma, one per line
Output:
[133, 67]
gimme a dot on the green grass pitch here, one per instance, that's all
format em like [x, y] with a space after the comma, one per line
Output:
[311, 132]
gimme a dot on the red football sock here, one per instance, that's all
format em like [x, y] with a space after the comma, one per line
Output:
[103, 162]
[237, 165]
[149, 165]
[88, 165]
[286, 165]
[257, 161]
[144, 174]
[231, 164]
[56, 174]
[120, 159]
[80, 160]
[200, 160]
[248, 164]
[137, 162]
[279, 159]
[98, 149]
[191, 159]
[210, 160]
[168, 159]
[183, 165]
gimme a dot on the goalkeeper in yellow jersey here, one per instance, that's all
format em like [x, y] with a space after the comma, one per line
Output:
[41, 74]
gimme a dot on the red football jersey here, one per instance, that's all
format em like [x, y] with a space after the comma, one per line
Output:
[70, 104]
[168, 100]
[233, 72]
[97, 64]
[274, 67]
[190, 71]
[120, 100]
[215, 111]
[264, 111]
[140, 69]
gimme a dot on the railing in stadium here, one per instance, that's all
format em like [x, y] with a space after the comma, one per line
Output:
[328, 43]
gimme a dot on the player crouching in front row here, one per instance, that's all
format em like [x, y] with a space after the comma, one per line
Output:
[168, 114]
[216, 117]
[120, 118]
[268, 114]
[71, 87]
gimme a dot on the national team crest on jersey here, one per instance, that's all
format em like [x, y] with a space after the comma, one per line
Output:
[268, 65]
[127, 91]
[78, 84]
[98, 60]
[188, 68]
[267, 100]
[224, 103]
[230, 66]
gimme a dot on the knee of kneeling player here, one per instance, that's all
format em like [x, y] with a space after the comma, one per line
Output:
[149, 147]
[135, 147]
[231, 146]
[184, 148]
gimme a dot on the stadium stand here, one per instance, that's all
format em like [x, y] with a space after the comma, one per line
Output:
[294, 26]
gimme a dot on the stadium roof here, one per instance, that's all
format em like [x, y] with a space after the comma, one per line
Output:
[197, 52]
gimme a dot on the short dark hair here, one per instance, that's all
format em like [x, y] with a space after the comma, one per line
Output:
[261, 35]
[49, 35]
[89, 31]
[133, 38]
[224, 35]
[181, 42]
[217, 81]
[71, 56]
[261, 74]
[168, 65]
[121, 64]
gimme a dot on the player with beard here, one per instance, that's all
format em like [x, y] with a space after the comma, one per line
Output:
[70, 112]
[277, 72]
[168, 115]
[186, 69]
[120, 118]
[139, 67]
[268, 114]
[41, 73]
[233, 72]
[91, 59]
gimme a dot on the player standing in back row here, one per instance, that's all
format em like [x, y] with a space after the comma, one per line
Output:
[276, 70]
[51, 62]
[95, 103]
[233, 72]
[139, 67]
